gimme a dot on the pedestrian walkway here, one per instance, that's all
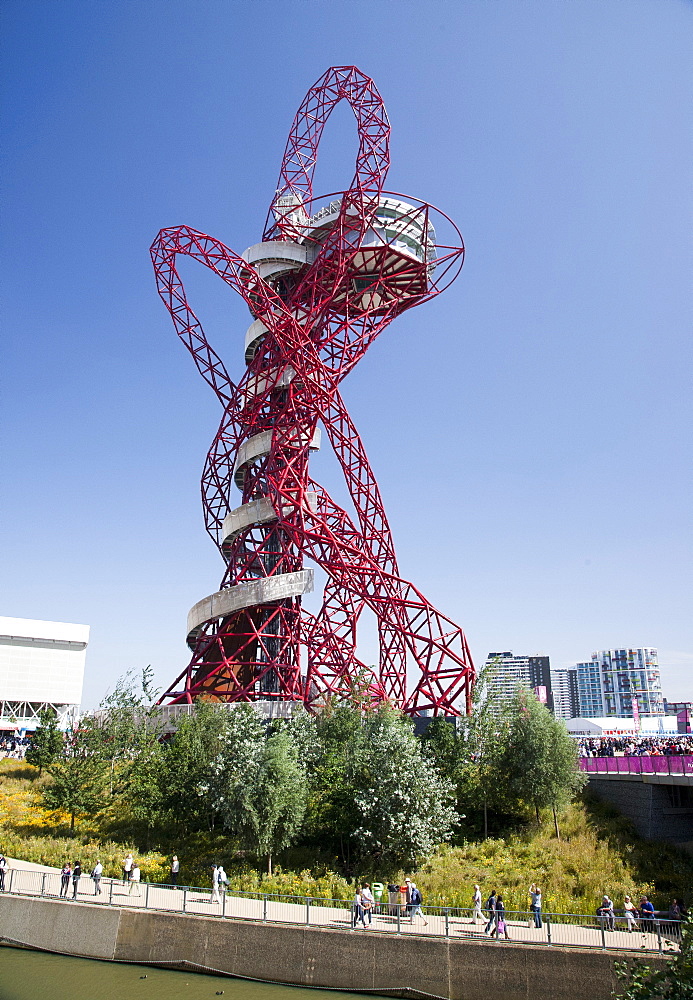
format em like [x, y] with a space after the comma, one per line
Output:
[566, 930]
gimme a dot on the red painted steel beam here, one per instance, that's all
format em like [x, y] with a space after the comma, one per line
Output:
[331, 274]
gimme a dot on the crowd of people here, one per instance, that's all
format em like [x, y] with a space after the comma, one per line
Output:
[13, 746]
[641, 916]
[403, 900]
[635, 746]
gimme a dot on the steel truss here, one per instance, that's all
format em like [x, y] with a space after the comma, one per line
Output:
[330, 274]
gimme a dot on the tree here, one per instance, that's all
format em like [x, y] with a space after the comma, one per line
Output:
[139, 782]
[481, 741]
[276, 797]
[332, 816]
[539, 759]
[127, 719]
[442, 746]
[80, 774]
[673, 982]
[233, 767]
[404, 805]
[260, 784]
[188, 800]
[47, 741]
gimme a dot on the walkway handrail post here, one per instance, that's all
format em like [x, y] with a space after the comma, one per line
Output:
[659, 937]
[264, 909]
[146, 896]
[307, 909]
[547, 921]
[602, 921]
[43, 884]
[185, 898]
[447, 922]
[399, 919]
[110, 893]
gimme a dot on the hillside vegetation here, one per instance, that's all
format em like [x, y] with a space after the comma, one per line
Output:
[598, 852]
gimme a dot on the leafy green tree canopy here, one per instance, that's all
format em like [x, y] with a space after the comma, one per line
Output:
[80, 774]
[47, 741]
[404, 805]
[539, 760]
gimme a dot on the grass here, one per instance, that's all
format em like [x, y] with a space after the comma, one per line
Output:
[599, 852]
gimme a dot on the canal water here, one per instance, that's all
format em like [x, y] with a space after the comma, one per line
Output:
[35, 975]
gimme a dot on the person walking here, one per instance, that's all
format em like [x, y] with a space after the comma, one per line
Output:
[222, 878]
[407, 896]
[631, 912]
[215, 885]
[491, 910]
[96, 874]
[127, 868]
[135, 876]
[367, 901]
[76, 876]
[501, 923]
[65, 875]
[476, 903]
[4, 868]
[358, 912]
[535, 904]
[175, 868]
[415, 901]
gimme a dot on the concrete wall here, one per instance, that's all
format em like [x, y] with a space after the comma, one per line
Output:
[310, 956]
[658, 811]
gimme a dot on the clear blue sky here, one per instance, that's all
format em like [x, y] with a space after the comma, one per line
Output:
[530, 429]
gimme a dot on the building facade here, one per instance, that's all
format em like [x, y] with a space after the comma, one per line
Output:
[683, 710]
[41, 666]
[566, 700]
[620, 682]
[510, 672]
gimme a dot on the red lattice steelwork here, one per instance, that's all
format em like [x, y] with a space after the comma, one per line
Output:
[329, 275]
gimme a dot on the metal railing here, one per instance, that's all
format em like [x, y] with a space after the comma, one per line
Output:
[667, 764]
[561, 929]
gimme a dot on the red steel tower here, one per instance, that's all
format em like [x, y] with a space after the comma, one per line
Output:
[330, 274]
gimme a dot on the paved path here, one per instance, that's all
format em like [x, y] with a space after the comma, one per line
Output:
[34, 879]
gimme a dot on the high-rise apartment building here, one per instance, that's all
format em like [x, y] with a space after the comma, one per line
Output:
[566, 700]
[620, 682]
[511, 672]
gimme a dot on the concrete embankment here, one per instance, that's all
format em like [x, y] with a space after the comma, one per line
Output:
[311, 956]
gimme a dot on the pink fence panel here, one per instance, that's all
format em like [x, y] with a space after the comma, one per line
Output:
[638, 765]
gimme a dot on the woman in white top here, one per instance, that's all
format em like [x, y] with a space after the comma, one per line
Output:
[135, 880]
[358, 910]
[367, 901]
[631, 912]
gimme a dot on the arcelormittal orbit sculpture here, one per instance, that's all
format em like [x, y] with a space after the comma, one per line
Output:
[330, 274]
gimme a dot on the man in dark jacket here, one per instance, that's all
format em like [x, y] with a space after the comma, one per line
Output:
[76, 876]
[491, 910]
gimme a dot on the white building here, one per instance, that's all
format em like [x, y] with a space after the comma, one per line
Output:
[41, 666]
[509, 673]
[566, 701]
[620, 682]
